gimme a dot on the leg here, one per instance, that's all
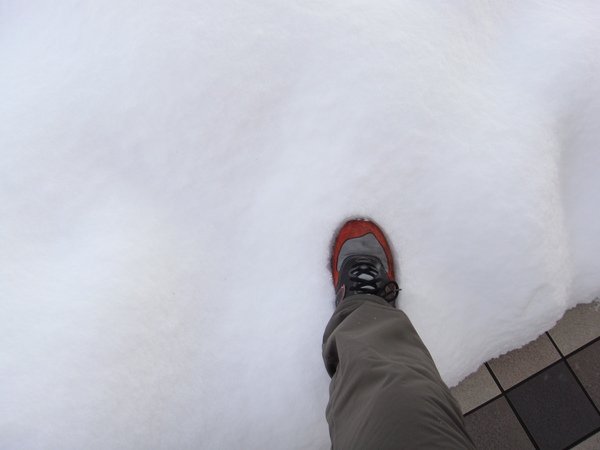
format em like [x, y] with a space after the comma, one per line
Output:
[385, 391]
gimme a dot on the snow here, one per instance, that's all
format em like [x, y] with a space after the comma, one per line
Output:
[172, 173]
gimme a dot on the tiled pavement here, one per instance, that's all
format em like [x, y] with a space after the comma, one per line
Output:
[545, 395]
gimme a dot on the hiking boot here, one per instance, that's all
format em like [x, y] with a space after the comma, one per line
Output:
[362, 263]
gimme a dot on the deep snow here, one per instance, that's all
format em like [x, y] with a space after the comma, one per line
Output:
[172, 173]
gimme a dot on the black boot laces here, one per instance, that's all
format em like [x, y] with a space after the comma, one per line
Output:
[366, 280]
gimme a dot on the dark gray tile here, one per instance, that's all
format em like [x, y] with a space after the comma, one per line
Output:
[495, 427]
[586, 365]
[519, 364]
[474, 390]
[554, 408]
[578, 326]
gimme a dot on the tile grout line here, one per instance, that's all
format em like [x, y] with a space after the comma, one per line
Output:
[525, 380]
[565, 358]
[487, 402]
[584, 438]
[560, 358]
[577, 350]
[512, 407]
[570, 369]
[503, 392]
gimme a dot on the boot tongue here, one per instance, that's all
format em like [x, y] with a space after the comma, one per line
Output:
[364, 245]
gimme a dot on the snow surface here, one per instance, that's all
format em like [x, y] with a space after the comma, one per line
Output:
[172, 173]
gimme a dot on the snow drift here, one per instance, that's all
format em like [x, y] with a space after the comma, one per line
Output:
[172, 173]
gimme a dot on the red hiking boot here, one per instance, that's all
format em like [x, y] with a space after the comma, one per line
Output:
[362, 263]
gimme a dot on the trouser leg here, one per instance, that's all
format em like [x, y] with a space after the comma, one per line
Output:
[385, 392]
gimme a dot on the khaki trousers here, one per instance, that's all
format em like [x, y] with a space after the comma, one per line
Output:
[385, 391]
